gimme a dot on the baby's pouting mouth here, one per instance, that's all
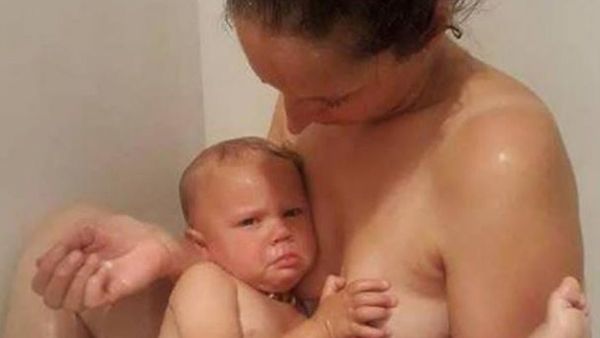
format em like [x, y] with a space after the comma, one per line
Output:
[283, 255]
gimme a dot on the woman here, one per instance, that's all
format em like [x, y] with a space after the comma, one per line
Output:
[426, 168]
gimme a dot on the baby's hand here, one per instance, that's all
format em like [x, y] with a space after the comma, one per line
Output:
[356, 309]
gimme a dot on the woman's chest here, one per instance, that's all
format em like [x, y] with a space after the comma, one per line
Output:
[401, 247]
[375, 218]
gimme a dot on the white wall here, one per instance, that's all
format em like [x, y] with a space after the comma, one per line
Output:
[552, 45]
[235, 102]
[100, 101]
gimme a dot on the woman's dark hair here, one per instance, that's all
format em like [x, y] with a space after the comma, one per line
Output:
[404, 26]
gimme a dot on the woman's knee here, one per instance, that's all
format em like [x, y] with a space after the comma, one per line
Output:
[59, 224]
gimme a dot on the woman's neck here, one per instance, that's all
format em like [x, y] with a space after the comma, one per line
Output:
[440, 76]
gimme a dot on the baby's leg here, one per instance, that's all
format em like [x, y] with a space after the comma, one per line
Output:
[568, 313]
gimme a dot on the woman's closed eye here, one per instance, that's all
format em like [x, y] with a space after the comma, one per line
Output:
[293, 212]
[335, 103]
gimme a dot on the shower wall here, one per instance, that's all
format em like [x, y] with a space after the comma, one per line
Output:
[235, 102]
[100, 102]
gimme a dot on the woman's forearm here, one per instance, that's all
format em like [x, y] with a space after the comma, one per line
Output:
[182, 255]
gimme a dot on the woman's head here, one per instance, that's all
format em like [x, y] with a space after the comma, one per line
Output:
[372, 26]
[342, 61]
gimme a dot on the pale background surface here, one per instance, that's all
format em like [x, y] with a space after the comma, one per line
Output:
[100, 101]
[118, 87]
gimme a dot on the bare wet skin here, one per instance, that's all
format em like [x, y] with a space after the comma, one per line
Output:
[387, 204]
[382, 205]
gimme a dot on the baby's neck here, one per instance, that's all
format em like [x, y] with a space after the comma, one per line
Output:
[290, 298]
[285, 297]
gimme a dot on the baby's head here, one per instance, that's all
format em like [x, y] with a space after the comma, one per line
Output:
[246, 207]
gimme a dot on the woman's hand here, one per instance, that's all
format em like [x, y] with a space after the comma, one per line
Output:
[102, 261]
[360, 308]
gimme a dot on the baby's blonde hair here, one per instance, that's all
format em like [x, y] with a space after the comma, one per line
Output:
[234, 151]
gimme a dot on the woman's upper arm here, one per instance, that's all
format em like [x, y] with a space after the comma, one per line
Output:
[513, 229]
[204, 304]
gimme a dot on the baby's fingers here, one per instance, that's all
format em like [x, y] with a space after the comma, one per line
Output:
[367, 314]
[381, 299]
[368, 285]
[366, 331]
[332, 285]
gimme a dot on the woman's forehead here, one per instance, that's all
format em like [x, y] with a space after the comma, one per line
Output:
[297, 65]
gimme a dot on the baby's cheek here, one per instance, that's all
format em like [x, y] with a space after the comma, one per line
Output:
[253, 257]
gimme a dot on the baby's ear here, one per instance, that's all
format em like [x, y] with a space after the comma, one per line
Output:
[197, 241]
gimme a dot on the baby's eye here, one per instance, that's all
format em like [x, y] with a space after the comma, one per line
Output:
[293, 212]
[248, 221]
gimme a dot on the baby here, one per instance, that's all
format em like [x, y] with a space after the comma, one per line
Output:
[249, 218]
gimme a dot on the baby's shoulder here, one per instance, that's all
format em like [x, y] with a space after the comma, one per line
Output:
[208, 290]
[204, 282]
[207, 272]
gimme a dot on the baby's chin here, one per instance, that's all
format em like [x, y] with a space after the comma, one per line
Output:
[281, 281]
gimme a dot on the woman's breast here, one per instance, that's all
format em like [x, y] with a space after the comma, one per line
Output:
[399, 242]
[374, 219]
[417, 281]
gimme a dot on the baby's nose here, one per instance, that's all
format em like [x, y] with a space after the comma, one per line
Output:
[281, 233]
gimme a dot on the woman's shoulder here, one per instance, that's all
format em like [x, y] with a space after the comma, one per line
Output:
[502, 130]
[486, 89]
[498, 113]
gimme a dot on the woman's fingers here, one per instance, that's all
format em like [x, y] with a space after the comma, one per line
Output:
[95, 289]
[61, 279]
[75, 296]
[46, 265]
[49, 261]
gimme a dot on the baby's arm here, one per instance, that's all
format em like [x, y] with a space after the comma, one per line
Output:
[567, 315]
[360, 308]
[203, 304]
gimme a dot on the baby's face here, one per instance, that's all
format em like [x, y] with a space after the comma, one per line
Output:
[256, 222]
